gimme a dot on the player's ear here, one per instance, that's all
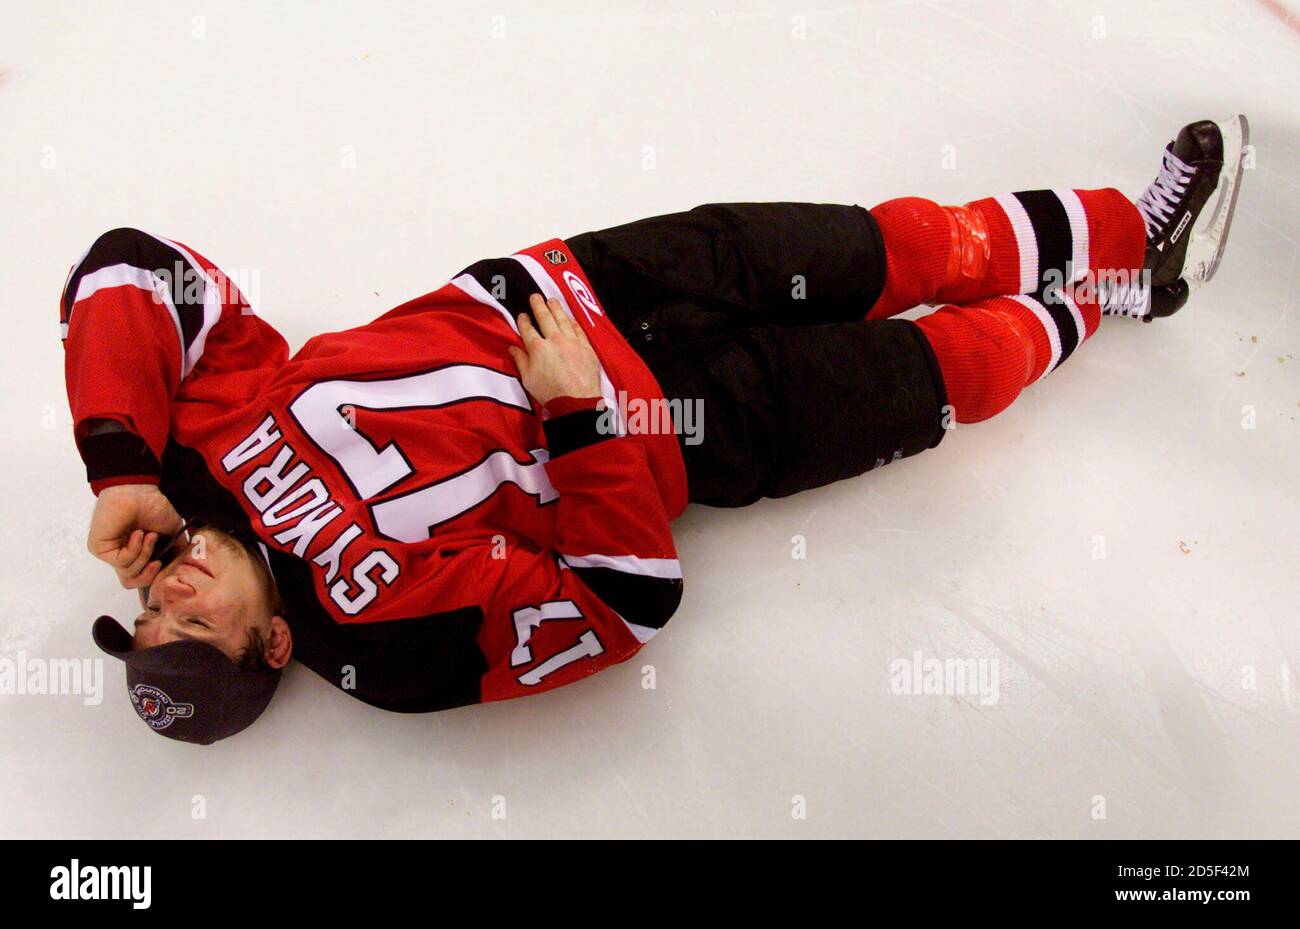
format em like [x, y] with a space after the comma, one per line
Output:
[279, 647]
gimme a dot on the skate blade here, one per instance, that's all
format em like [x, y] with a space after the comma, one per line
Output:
[1206, 246]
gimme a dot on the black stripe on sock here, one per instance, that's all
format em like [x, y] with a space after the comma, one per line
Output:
[1052, 233]
[141, 250]
[1066, 330]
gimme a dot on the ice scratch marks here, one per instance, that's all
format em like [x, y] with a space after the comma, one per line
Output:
[1066, 691]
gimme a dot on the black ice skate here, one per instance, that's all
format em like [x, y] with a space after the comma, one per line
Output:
[1182, 240]
[1185, 242]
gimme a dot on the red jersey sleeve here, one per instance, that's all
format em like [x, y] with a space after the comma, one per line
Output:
[142, 317]
[612, 581]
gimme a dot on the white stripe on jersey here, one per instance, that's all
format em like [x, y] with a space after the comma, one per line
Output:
[643, 634]
[668, 568]
[474, 289]
[125, 275]
[211, 307]
[120, 275]
[63, 326]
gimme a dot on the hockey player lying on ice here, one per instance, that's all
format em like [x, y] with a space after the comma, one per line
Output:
[450, 504]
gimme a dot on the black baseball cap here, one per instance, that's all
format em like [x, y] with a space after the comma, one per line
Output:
[188, 690]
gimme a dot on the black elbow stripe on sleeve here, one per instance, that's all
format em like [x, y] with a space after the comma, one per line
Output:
[573, 431]
[638, 598]
[148, 253]
[113, 454]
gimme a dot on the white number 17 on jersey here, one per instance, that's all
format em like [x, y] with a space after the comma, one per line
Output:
[529, 618]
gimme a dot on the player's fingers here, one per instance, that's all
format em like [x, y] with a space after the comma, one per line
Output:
[125, 575]
[128, 581]
[170, 521]
[521, 359]
[545, 319]
[562, 320]
[142, 557]
[143, 578]
[147, 550]
[128, 552]
[526, 331]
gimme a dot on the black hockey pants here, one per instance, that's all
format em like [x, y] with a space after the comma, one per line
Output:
[755, 311]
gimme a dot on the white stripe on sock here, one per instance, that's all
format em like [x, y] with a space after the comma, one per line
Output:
[1078, 232]
[1049, 326]
[1026, 243]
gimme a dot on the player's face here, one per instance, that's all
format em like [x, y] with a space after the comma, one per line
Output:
[210, 591]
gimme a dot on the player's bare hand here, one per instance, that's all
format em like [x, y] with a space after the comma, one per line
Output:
[556, 360]
[125, 527]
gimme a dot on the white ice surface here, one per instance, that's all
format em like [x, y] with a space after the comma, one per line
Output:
[357, 154]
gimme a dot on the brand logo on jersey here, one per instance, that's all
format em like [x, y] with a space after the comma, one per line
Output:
[156, 708]
[556, 257]
[584, 296]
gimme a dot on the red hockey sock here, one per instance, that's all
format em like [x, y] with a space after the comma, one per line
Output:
[990, 350]
[1015, 243]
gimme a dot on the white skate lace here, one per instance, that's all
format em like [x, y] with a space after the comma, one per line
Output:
[1159, 201]
[1131, 299]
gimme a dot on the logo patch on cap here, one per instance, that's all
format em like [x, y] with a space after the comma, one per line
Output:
[156, 708]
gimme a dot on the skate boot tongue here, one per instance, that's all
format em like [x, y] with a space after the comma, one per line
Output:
[1159, 202]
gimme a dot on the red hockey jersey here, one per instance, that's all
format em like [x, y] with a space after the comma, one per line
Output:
[437, 538]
